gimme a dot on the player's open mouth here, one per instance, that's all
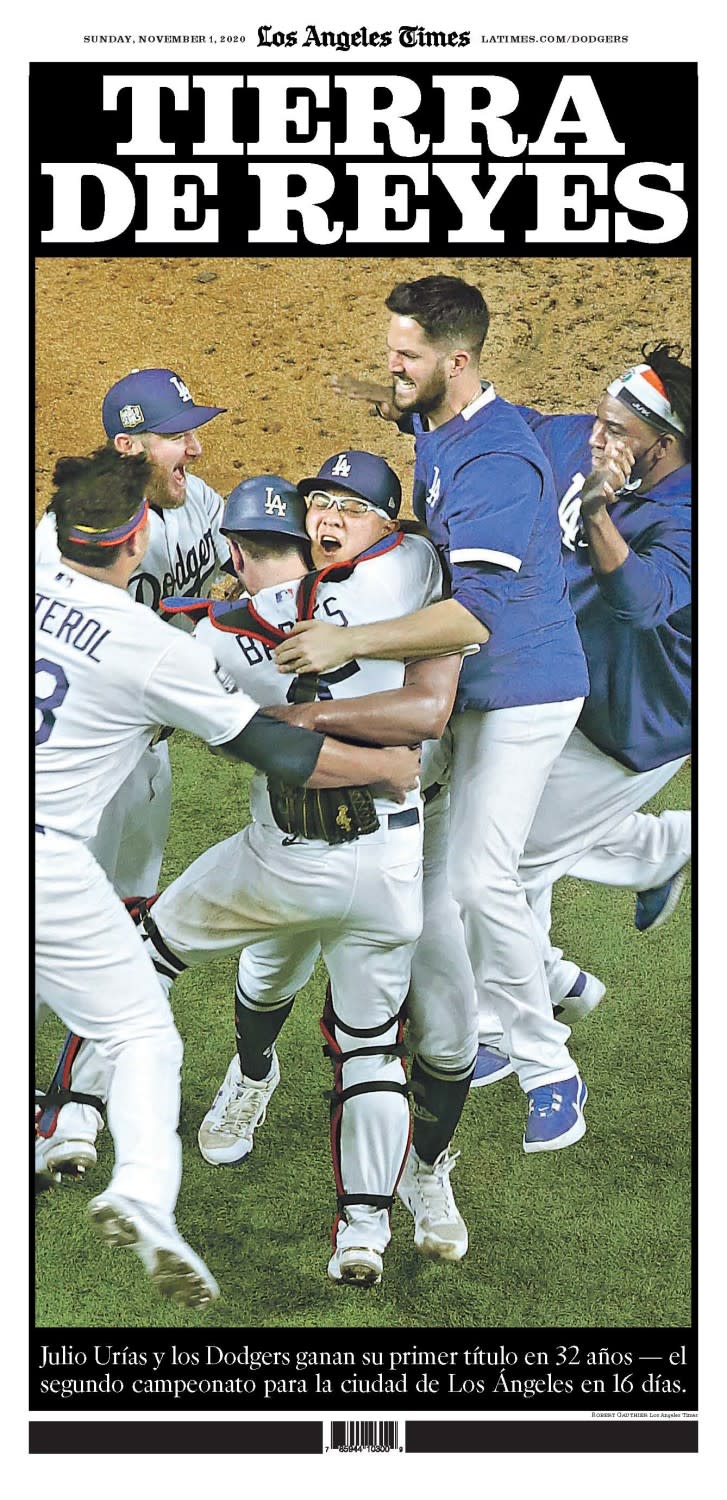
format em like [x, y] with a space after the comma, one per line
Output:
[330, 543]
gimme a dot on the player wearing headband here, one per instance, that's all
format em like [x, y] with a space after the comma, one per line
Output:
[624, 487]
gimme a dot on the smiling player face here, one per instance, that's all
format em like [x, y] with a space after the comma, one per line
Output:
[418, 369]
[337, 537]
[170, 454]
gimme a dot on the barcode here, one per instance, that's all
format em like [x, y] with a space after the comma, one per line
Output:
[378, 1437]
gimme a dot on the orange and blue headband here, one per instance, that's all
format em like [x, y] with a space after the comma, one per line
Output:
[643, 392]
[89, 536]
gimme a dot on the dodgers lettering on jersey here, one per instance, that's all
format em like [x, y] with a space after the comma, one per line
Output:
[635, 623]
[185, 552]
[485, 491]
[397, 581]
[107, 675]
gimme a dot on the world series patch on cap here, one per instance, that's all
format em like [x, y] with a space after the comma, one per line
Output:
[153, 401]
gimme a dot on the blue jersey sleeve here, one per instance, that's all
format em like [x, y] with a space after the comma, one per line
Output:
[653, 583]
[493, 503]
[490, 522]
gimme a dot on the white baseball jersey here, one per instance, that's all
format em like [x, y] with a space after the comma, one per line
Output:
[185, 551]
[399, 579]
[107, 675]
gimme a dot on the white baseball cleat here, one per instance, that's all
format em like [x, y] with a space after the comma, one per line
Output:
[63, 1158]
[357, 1259]
[439, 1229]
[356, 1265]
[173, 1267]
[70, 1150]
[586, 993]
[227, 1132]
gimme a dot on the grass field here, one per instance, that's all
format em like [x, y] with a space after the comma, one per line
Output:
[597, 1235]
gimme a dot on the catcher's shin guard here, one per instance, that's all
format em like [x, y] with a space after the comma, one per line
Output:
[61, 1092]
[137, 905]
[166, 963]
[370, 1128]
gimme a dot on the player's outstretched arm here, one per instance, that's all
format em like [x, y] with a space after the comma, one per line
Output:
[420, 710]
[302, 757]
[435, 631]
[380, 397]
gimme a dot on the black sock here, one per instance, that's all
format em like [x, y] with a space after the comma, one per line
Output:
[438, 1103]
[256, 1028]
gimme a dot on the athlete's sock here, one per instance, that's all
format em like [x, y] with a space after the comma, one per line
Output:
[257, 1028]
[439, 1098]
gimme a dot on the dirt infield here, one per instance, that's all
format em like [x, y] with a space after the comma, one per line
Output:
[263, 338]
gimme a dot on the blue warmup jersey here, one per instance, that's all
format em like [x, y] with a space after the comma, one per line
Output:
[635, 623]
[484, 490]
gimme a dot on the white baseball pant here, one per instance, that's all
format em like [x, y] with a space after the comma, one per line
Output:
[134, 826]
[93, 971]
[441, 1007]
[588, 826]
[501, 763]
[361, 904]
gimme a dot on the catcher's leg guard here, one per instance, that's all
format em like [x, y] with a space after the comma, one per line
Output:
[137, 905]
[61, 1091]
[68, 1118]
[166, 963]
[370, 1128]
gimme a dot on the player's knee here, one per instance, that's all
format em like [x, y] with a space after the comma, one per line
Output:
[482, 885]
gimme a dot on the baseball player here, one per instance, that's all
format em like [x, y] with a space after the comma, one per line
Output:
[358, 901]
[485, 489]
[106, 676]
[149, 411]
[625, 512]
[632, 464]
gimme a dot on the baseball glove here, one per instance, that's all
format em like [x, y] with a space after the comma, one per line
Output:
[337, 814]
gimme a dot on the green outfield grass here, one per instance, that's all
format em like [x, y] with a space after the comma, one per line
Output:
[597, 1235]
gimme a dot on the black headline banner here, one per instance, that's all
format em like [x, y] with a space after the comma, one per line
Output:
[533, 159]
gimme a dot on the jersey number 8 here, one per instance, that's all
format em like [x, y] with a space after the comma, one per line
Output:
[48, 696]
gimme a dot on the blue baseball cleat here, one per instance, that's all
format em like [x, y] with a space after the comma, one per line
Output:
[491, 1065]
[555, 1115]
[653, 908]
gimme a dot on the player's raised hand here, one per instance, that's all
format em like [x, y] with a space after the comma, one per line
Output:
[612, 467]
[380, 396]
[403, 767]
[313, 646]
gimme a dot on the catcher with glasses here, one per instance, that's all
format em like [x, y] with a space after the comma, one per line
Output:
[341, 875]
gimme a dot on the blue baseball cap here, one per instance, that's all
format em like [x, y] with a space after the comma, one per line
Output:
[362, 474]
[152, 401]
[265, 503]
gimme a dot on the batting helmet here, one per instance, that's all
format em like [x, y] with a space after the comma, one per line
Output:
[362, 474]
[265, 503]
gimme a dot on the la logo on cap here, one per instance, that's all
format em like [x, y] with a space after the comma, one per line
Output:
[131, 416]
[275, 505]
[182, 390]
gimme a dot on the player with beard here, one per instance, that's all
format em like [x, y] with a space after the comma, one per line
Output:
[152, 412]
